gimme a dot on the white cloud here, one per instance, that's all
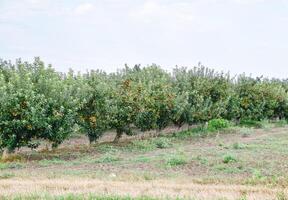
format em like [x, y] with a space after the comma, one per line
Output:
[84, 8]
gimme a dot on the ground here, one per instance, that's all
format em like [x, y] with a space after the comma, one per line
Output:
[238, 163]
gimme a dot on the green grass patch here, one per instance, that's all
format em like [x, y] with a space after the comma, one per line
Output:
[265, 124]
[281, 123]
[6, 175]
[107, 158]
[162, 142]
[142, 159]
[228, 169]
[150, 144]
[229, 158]
[195, 132]
[238, 146]
[13, 165]
[176, 159]
[141, 145]
[107, 148]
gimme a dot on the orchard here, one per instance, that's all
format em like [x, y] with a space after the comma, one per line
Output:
[38, 103]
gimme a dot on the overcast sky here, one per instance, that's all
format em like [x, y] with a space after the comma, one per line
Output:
[233, 35]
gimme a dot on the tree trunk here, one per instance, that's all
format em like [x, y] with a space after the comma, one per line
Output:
[119, 134]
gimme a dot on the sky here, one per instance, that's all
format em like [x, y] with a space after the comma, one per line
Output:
[248, 36]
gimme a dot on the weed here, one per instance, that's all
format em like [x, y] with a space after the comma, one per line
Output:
[12, 158]
[6, 175]
[202, 160]
[257, 174]
[252, 123]
[162, 142]
[266, 125]
[141, 145]
[281, 196]
[237, 146]
[228, 170]
[176, 160]
[150, 144]
[148, 176]
[243, 197]
[281, 123]
[55, 161]
[106, 148]
[195, 132]
[107, 158]
[246, 132]
[229, 158]
[142, 159]
[11, 165]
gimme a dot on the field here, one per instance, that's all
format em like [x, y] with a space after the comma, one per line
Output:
[236, 163]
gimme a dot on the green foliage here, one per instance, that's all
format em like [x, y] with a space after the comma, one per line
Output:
[37, 103]
[108, 158]
[6, 175]
[150, 144]
[229, 158]
[238, 146]
[281, 123]
[142, 145]
[93, 113]
[250, 123]
[162, 142]
[218, 124]
[176, 159]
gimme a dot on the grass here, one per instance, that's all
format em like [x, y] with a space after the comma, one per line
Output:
[238, 146]
[6, 175]
[12, 165]
[246, 132]
[55, 161]
[107, 158]
[247, 156]
[176, 159]
[192, 133]
[107, 148]
[150, 144]
[228, 159]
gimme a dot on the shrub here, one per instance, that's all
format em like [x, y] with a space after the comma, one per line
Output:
[218, 124]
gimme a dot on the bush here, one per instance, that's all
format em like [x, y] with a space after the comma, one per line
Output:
[218, 124]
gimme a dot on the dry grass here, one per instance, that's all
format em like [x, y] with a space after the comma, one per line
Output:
[259, 170]
[157, 189]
